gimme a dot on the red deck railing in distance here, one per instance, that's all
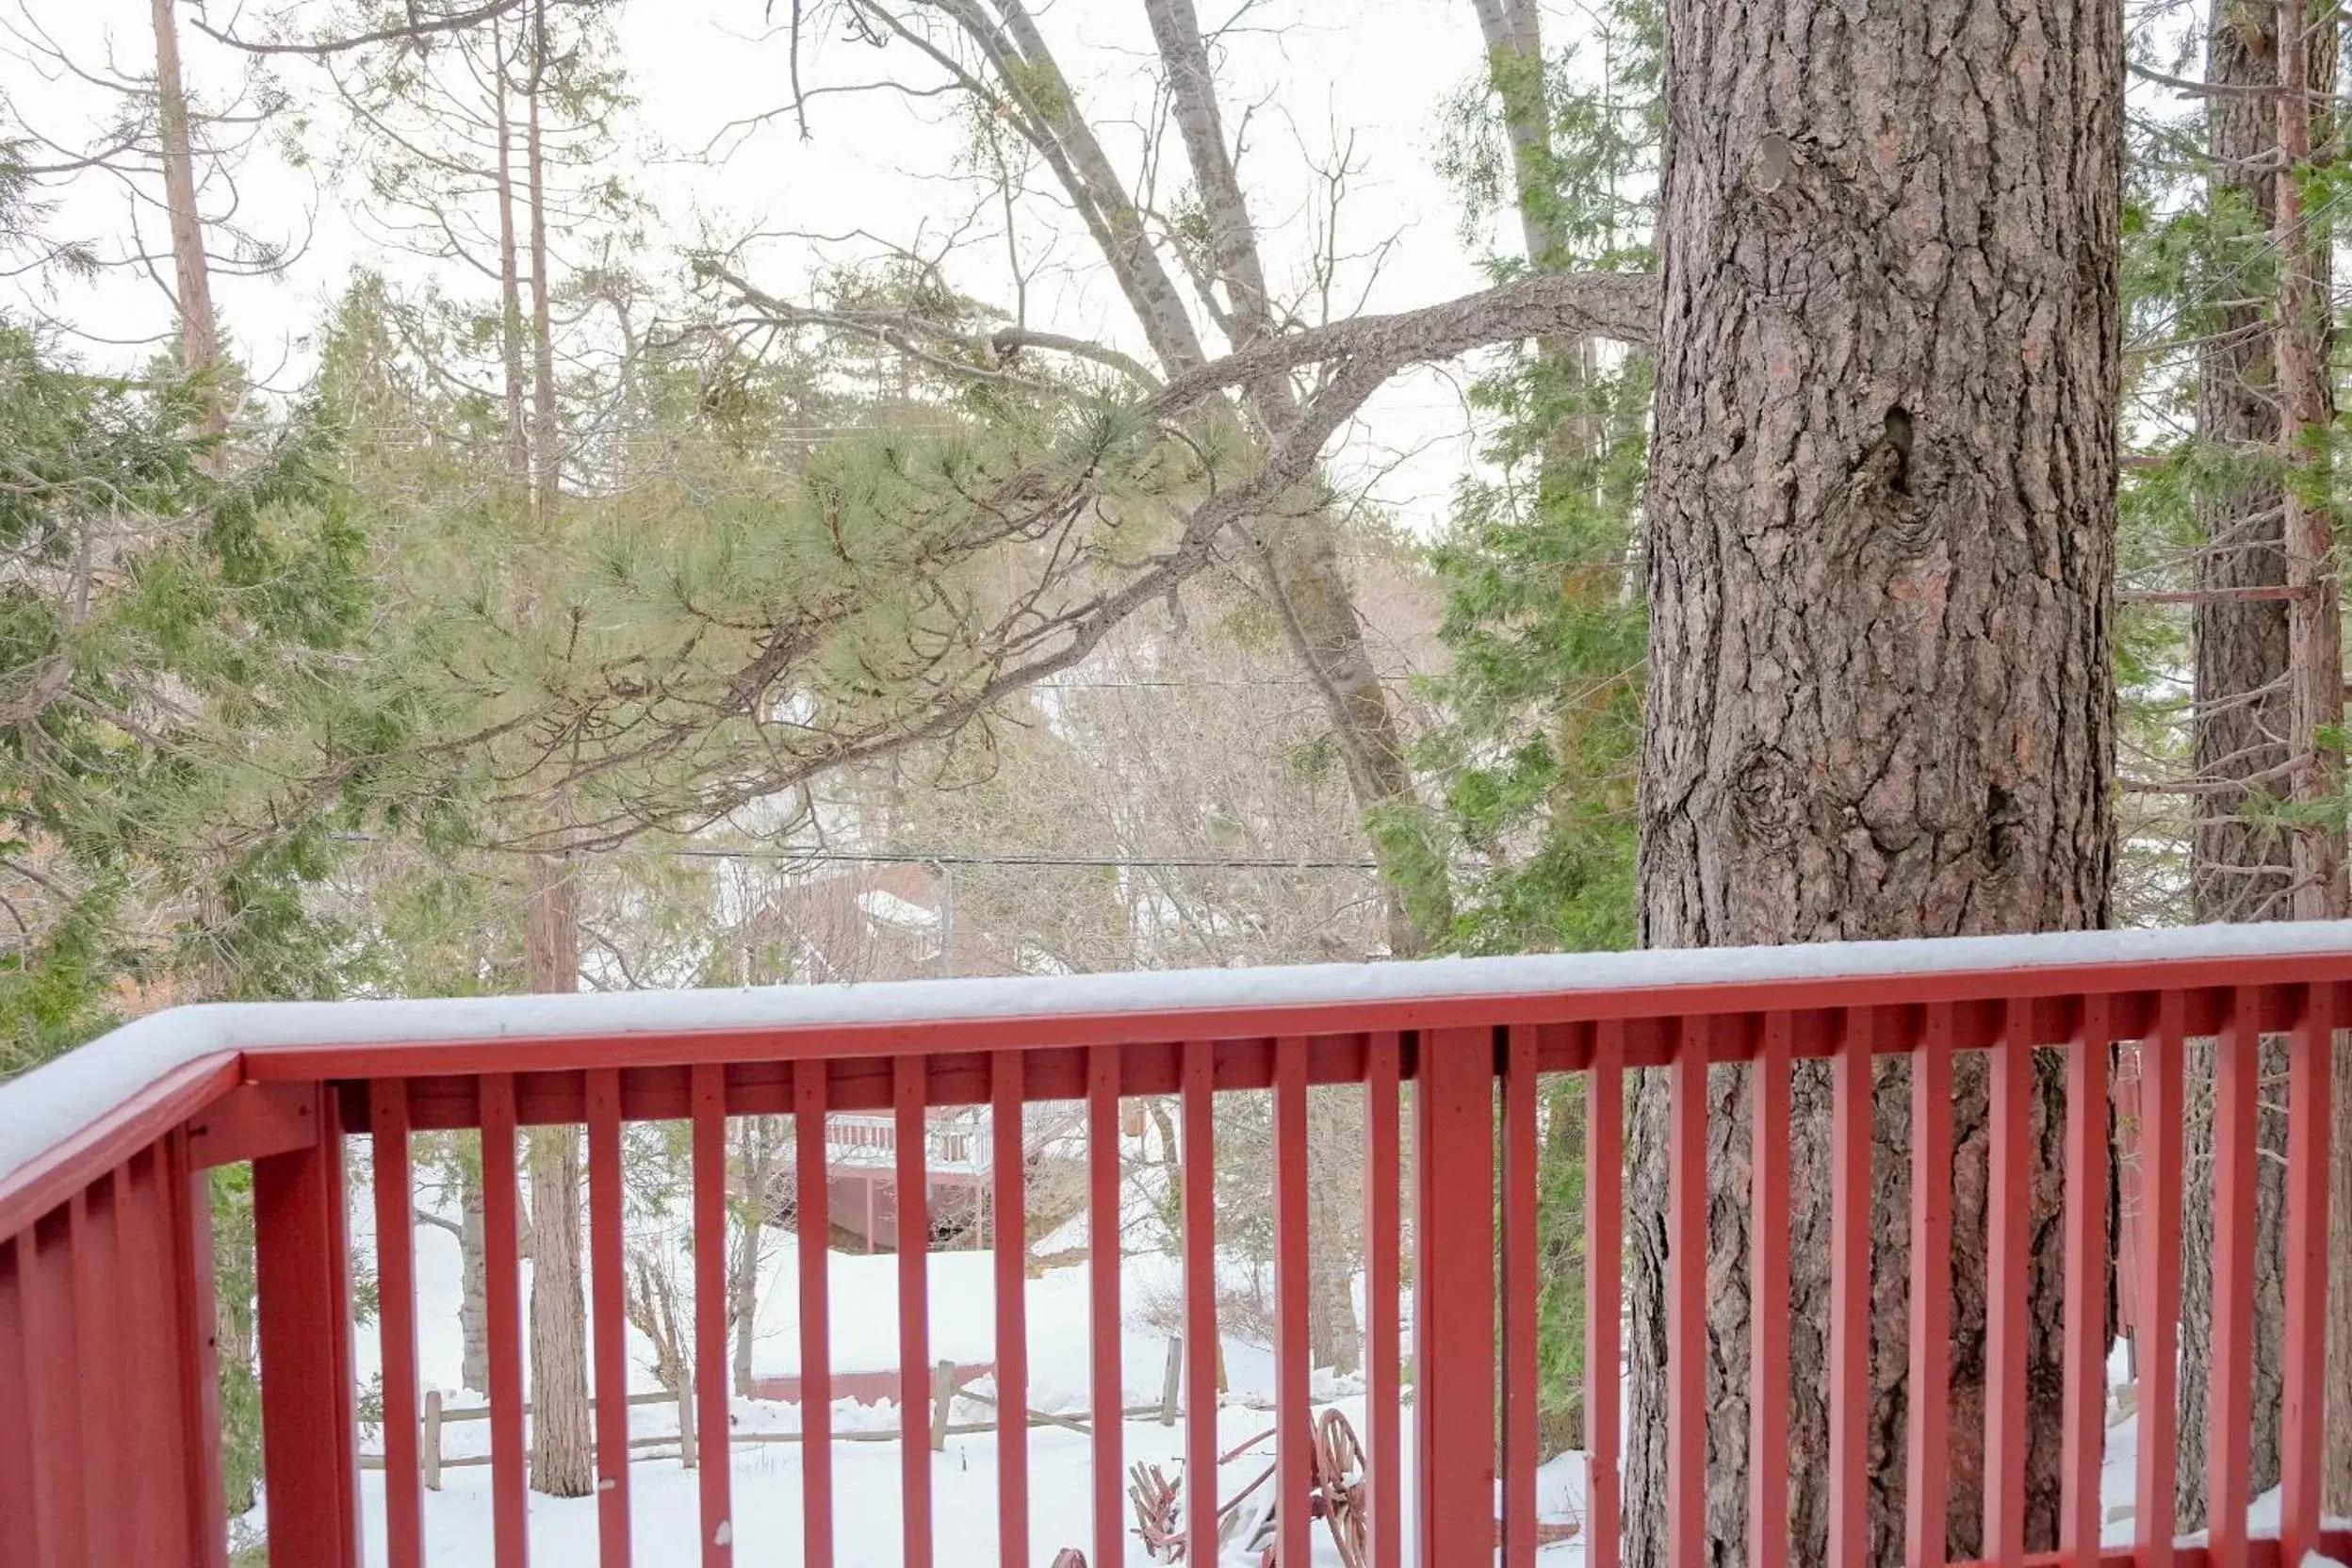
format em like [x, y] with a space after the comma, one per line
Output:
[109, 1425]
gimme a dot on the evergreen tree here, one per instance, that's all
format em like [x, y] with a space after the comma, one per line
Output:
[161, 606]
[1543, 614]
[1543, 611]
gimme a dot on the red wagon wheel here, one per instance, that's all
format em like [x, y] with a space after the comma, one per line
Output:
[1339, 1471]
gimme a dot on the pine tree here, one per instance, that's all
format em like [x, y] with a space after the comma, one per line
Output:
[1882, 525]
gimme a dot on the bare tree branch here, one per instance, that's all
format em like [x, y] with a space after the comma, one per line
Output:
[414, 31]
[1618, 305]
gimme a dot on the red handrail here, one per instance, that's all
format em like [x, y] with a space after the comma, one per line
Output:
[109, 1433]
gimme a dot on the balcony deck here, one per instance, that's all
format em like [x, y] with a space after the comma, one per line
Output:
[109, 1427]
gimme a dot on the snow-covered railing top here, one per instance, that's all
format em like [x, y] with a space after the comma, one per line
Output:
[50, 1105]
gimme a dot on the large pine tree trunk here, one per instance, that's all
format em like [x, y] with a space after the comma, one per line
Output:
[1882, 523]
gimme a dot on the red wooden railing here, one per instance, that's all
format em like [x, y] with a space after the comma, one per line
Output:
[109, 1432]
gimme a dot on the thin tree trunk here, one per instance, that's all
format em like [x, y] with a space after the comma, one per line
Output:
[561, 1442]
[1513, 35]
[758, 1157]
[1559, 1175]
[546, 449]
[236, 1363]
[1034, 80]
[561, 1430]
[560, 1452]
[2314, 615]
[473, 1304]
[2308, 57]
[509, 277]
[1335, 1202]
[2196, 1275]
[1882, 525]
[2242, 868]
[1299, 558]
[200, 354]
[1515, 72]
[200, 332]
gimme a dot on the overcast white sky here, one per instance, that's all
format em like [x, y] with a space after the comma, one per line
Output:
[1315, 79]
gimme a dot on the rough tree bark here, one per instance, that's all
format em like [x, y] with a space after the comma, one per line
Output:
[1881, 524]
[2239, 868]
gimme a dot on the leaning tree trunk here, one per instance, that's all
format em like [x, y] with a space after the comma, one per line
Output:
[2241, 866]
[1881, 524]
[192, 269]
[1297, 557]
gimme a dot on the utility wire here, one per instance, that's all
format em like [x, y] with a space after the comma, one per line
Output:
[982, 857]
[1018, 858]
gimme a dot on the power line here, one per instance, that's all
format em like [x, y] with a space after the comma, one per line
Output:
[961, 857]
[982, 857]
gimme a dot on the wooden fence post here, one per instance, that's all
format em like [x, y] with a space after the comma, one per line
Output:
[943, 1402]
[1172, 1382]
[302, 1289]
[686, 1444]
[1453, 1305]
[432, 1439]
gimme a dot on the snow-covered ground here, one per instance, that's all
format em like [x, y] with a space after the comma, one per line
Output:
[863, 1335]
[863, 1330]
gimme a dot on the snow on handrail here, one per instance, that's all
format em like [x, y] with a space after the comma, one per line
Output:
[49, 1105]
